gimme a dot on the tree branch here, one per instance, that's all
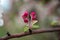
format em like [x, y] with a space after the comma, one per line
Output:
[33, 32]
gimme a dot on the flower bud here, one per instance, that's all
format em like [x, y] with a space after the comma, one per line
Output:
[26, 20]
[25, 15]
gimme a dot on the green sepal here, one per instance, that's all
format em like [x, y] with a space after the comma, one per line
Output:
[35, 26]
[26, 28]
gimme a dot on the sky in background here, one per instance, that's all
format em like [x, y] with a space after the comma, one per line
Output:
[5, 4]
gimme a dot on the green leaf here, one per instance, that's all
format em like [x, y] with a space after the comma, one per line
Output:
[26, 28]
[35, 26]
[53, 22]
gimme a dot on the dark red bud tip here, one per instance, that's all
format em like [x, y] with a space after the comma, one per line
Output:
[34, 17]
[25, 15]
[26, 20]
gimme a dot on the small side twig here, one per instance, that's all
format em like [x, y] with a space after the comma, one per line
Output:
[8, 34]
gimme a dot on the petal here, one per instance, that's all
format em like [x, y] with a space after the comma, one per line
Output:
[33, 13]
[26, 20]
[25, 15]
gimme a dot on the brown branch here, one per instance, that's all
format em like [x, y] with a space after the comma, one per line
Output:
[33, 32]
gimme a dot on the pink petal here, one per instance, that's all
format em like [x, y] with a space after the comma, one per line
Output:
[26, 20]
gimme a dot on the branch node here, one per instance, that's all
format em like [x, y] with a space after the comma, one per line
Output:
[30, 31]
[8, 34]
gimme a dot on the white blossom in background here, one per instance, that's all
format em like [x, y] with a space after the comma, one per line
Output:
[5, 6]
[1, 22]
[1, 15]
[1, 12]
[1, 19]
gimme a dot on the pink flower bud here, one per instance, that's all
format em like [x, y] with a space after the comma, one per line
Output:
[33, 13]
[25, 15]
[26, 20]
[33, 17]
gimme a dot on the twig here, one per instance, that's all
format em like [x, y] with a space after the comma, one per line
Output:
[33, 32]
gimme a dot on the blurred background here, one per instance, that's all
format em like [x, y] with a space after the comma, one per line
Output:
[11, 21]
